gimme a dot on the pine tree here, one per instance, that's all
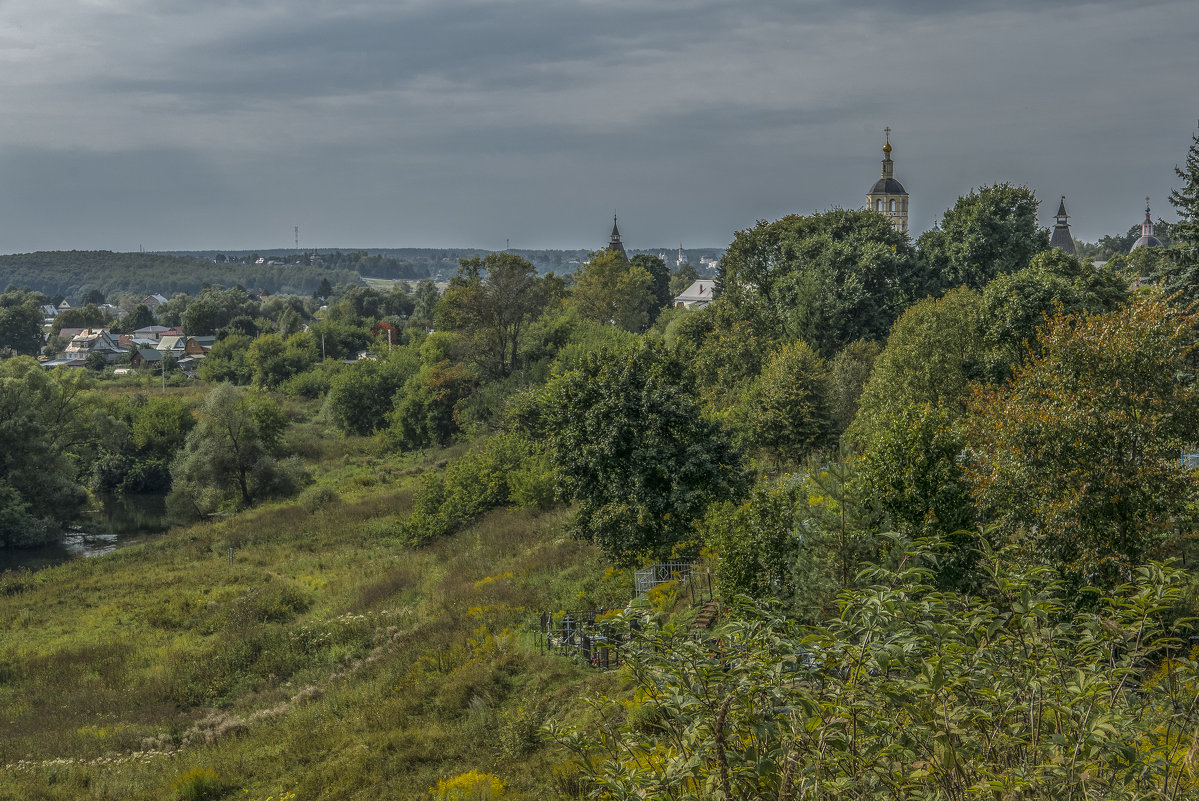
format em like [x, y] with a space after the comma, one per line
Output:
[1184, 255]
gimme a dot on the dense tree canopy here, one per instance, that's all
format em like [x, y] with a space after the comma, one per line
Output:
[661, 281]
[785, 410]
[214, 308]
[725, 346]
[828, 279]
[137, 443]
[933, 353]
[1080, 452]
[71, 273]
[491, 301]
[1015, 304]
[361, 395]
[987, 233]
[44, 428]
[21, 321]
[609, 290]
[88, 316]
[633, 450]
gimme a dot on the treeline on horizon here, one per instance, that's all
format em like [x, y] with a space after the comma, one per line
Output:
[73, 273]
[413, 264]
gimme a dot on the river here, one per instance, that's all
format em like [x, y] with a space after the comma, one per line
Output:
[120, 520]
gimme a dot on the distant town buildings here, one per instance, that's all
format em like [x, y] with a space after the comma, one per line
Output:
[887, 196]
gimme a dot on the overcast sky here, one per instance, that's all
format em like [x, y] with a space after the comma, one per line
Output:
[196, 124]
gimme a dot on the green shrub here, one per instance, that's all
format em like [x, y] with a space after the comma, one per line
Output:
[198, 784]
[311, 384]
[481, 480]
[521, 733]
[318, 497]
[275, 602]
[469, 786]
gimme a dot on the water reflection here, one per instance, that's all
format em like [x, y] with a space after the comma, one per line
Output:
[119, 521]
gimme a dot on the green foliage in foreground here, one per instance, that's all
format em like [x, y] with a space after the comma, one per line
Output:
[1080, 452]
[913, 694]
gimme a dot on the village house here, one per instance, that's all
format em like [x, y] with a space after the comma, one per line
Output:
[151, 331]
[172, 343]
[93, 340]
[696, 296]
[198, 347]
[146, 357]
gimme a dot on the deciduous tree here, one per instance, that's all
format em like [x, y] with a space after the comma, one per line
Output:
[987, 233]
[43, 424]
[1015, 304]
[785, 410]
[490, 301]
[932, 354]
[632, 448]
[226, 458]
[21, 321]
[361, 395]
[611, 291]
[1080, 451]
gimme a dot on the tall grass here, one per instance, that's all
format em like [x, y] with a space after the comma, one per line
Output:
[325, 658]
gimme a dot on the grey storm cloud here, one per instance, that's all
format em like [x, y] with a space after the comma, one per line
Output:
[175, 124]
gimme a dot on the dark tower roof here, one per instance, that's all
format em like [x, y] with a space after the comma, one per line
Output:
[1060, 238]
[614, 242]
[1147, 239]
[887, 186]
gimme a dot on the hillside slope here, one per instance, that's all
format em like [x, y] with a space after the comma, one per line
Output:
[296, 649]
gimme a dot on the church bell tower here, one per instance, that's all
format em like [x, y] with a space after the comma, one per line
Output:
[887, 196]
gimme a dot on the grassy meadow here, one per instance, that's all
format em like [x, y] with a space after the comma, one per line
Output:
[300, 647]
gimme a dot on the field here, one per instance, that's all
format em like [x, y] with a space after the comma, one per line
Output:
[299, 647]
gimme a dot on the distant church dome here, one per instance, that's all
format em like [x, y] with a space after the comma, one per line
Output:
[887, 196]
[1147, 239]
[1060, 238]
